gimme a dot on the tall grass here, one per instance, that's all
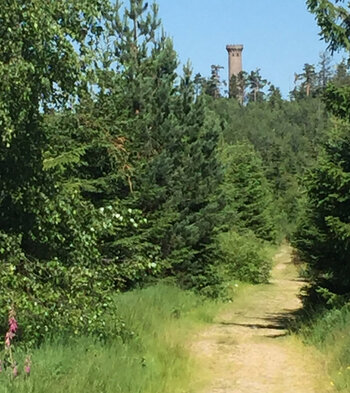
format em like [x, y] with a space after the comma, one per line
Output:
[151, 358]
[329, 332]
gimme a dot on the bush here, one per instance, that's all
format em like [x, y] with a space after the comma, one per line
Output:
[51, 296]
[244, 257]
[61, 274]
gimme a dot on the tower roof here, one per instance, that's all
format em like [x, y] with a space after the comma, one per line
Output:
[234, 47]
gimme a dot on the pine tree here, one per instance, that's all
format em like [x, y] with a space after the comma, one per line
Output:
[308, 84]
[325, 72]
[341, 76]
[238, 84]
[256, 85]
[275, 96]
[213, 83]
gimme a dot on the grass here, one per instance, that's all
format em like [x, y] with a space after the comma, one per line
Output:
[152, 359]
[329, 332]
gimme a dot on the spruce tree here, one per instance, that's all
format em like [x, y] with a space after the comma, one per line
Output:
[323, 234]
[198, 177]
[247, 192]
[148, 144]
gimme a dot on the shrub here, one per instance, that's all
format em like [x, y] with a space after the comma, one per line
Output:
[244, 257]
[51, 296]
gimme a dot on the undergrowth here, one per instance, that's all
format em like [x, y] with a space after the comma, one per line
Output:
[150, 357]
[245, 257]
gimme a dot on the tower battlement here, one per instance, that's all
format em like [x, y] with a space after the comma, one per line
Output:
[234, 48]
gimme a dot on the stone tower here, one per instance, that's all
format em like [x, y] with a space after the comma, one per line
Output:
[234, 60]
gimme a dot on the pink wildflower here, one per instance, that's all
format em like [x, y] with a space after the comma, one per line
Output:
[9, 336]
[13, 324]
[12, 320]
[11, 333]
[27, 365]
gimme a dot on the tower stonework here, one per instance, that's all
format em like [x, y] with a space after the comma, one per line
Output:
[234, 60]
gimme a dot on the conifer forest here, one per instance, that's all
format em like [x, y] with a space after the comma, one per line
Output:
[138, 199]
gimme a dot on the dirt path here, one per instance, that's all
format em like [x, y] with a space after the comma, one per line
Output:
[248, 350]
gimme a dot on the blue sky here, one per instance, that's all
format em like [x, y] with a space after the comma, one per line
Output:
[279, 36]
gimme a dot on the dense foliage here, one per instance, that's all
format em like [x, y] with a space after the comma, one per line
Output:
[323, 232]
[115, 170]
[110, 167]
[286, 136]
[333, 18]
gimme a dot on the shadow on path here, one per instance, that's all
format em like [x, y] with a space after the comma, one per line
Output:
[281, 322]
